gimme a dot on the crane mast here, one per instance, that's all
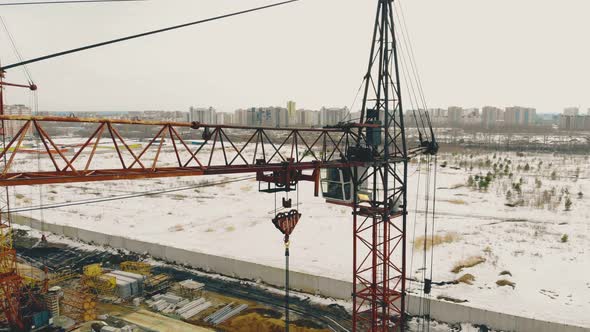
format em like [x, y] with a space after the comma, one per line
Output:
[379, 222]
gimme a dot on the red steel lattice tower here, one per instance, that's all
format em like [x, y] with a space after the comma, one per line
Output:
[380, 205]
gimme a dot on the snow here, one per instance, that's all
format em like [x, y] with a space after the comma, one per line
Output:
[234, 220]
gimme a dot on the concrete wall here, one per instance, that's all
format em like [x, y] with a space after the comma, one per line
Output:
[439, 310]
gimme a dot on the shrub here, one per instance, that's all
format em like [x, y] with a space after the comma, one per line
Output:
[553, 175]
[483, 184]
[568, 204]
[580, 195]
[564, 238]
[527, 167]
[517, 188]
[505, 273]
[508, 195]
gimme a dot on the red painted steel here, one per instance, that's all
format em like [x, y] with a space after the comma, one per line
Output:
[264, 150]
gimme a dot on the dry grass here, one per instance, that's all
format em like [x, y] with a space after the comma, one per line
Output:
[176, 228]
[504, 282]
[246, 188]
[456, 201]
[436, 240]
[467, 263]
[178, 197]
[230, 229]
[254, 322]
[467, 279]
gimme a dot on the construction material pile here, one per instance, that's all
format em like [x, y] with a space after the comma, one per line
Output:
[172, 304]
[225, 313]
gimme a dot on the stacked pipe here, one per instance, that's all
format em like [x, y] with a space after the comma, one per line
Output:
[182, 303]
[230, 314]
[190, 306]
[218, 313]
[196, 310]
[160, 305]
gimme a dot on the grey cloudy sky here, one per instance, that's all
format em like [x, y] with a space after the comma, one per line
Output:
[469, 52]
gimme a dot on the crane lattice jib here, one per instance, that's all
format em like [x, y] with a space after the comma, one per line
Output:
[169, 151]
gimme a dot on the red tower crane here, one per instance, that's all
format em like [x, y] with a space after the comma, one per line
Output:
[362, 165]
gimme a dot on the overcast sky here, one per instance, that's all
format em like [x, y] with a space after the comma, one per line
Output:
[469, 53]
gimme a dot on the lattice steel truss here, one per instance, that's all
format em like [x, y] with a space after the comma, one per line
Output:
[221, 151]
[380, 221]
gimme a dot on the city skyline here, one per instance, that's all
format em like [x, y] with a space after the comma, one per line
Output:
[488, 117]
[581, 110]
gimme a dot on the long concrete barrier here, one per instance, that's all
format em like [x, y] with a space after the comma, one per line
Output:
[439, 310]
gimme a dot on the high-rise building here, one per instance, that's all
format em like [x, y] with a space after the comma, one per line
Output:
[471, 116]
[292, 113]
[11, 128]
[308, 118]
[224, 118]
[519, 116]
[262, 116]
[571, 111]
[332, 116]
[492, 116]
[574, 122]
[455, 115]
[437, 115]
[203, 115]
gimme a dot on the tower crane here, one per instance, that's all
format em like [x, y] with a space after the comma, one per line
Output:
[362, 165]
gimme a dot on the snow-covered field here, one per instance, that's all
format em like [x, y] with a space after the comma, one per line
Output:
[541, 250]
